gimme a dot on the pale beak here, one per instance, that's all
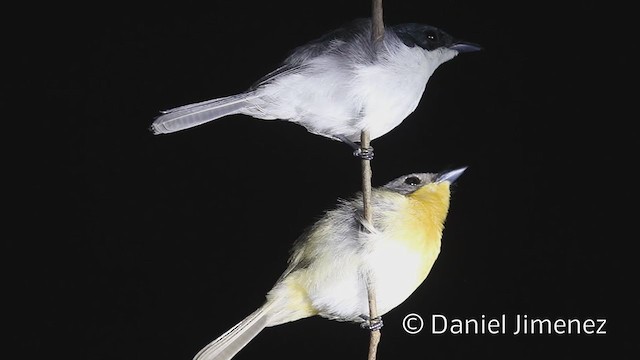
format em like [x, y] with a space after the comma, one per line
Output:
[464, 47]
[450, 176]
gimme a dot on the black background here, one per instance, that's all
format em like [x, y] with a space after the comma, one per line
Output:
[134, 246]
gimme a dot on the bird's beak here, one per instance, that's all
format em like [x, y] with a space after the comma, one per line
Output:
[464, 47]
[450, 176]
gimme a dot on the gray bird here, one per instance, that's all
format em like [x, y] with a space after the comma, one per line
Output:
[338, 85]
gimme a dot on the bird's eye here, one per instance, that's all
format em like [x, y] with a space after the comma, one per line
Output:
[431, 35]
[412, 180]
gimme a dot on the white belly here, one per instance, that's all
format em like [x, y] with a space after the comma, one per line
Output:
[340, 289]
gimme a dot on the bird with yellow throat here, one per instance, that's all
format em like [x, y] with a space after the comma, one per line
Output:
[331, 262]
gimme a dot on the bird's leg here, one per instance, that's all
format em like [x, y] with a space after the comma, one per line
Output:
[364, 154]
[371, 324]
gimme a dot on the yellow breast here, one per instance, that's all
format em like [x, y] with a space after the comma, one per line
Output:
[419, 223]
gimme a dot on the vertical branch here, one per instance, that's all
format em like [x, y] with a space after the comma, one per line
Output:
[377, 33]
[368, 217]
[377, 25]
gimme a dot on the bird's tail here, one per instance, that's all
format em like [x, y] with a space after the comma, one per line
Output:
[188, 116]
[229, 343]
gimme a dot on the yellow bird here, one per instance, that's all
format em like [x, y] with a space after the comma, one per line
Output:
[331, 262]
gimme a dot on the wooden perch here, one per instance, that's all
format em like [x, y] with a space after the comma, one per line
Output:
[377, 33]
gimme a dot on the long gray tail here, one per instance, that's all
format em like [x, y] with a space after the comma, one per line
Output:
[229, 343]
[188, 116]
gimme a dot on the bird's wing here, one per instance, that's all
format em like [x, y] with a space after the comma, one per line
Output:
[338, 229]
[352, 39]
[282, 71]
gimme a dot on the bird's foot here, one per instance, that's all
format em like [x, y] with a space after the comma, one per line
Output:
[358, 151]
[374, 324]
[364, 153]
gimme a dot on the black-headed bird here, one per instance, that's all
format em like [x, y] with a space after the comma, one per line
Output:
[338, 85]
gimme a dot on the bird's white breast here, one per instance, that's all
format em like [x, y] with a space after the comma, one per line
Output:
[392, 89]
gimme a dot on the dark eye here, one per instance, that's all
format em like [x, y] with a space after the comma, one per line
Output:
[412, 180]
[431, 36]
